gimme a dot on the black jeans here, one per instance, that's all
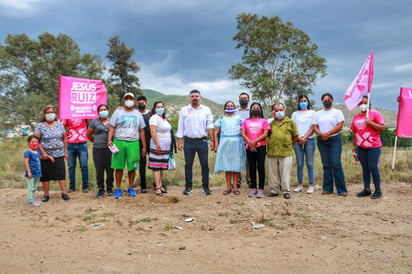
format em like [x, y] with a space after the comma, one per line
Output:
[142, 169]
[102, 158]
[191, 147]
[256, 160]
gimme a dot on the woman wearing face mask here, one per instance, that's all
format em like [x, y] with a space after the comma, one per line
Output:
[327, 124]
[305, 145]
[254, 132]
[282, 136]
[160, 145]
[367, 144]
[231, 154]
[102, 156]
[53, 149]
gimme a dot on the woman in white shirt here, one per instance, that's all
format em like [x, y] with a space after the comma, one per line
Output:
[305, 146]
[327, 124]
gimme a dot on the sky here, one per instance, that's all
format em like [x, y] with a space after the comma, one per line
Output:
[182, 45]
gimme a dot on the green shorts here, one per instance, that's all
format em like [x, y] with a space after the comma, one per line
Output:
[129, 152]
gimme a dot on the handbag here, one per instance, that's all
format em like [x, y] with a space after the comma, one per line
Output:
[171, 165]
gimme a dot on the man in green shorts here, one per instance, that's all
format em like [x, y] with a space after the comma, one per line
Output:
[125, 132]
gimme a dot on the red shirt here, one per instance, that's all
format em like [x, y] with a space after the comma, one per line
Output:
[366, 136]
[76, 130]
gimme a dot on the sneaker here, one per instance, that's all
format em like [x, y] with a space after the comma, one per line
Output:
[364, 193]
[286, 195]
[131, 192]
[109, 192]
[310, 189]
[71, 190]
[187, 191]
[272, 194]
[100, 194]
[260, 193]
[143, 190]
[377, 194]
[34, 204]
[206, 190]
[45, 198]
[86, 190]
[65, 197]
[298, 188]
[252, 193]
[118, 193]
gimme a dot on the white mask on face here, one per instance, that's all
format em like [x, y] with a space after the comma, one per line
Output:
[363, 107]
[129, 103]
[50, 116]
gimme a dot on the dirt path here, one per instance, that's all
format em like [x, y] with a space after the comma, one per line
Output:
[149, 234]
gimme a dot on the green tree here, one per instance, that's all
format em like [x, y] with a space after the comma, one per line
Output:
[29, 72]
[122, 72]
[279, 61]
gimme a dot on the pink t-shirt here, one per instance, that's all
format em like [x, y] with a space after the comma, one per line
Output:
[76, 130]
[254, 128]
[366, 136]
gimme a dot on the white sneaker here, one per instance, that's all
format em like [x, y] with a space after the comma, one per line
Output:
[298, 188]
[310, 189]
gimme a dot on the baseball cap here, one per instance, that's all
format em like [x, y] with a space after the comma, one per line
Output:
[129, 94]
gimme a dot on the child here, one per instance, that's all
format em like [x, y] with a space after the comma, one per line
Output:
[33, 169]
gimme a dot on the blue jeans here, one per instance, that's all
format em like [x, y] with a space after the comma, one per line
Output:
[330, 153]
[369, 158]
[308, 151]
[191, 147]
[78, 150]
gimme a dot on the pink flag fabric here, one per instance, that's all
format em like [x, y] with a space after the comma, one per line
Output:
[404, 125]
[360, 84]
[79, 98]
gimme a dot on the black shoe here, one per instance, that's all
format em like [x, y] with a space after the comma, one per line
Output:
[65, 197]
[45, 198]
[109, 192]
[72, 189]
[100, 194]
[271, 194]
[206, 190]
[143, 190]
[377, 194]
[86, 190]
[364, 193]
[187, 191]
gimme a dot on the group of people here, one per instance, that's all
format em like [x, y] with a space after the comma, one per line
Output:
[246, 144]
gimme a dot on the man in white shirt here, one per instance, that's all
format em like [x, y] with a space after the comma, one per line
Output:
[244, 112]
[195, 124]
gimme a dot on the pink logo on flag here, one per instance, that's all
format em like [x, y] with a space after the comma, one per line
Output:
[362, 82]
[79, 98]
[404, 125]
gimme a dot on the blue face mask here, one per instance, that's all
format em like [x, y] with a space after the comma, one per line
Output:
[303, 105]
[280, 115]
[103, 114]
[229, 109]
[160, 111]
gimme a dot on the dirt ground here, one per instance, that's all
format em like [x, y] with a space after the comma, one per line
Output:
[151, 234]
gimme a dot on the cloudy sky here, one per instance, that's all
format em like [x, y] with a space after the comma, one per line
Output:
[186, 44]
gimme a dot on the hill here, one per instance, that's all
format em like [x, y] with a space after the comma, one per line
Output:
[175, 102]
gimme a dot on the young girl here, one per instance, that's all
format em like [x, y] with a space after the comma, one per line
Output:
[231, 156]
[254, 132]
[33, 169]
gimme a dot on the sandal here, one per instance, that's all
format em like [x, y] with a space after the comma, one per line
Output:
[236, 192]
[226, 192]
[157, 191]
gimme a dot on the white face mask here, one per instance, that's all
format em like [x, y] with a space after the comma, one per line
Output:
[50, 116]
[129, 103]
[363, 107]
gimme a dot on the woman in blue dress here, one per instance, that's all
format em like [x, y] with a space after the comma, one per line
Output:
[231, 153]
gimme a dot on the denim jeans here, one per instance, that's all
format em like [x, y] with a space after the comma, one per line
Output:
[256, 161]
[191, 147]
[78, 150]
[307, 152]
[330, 154]
[102, 158]
[369, 158]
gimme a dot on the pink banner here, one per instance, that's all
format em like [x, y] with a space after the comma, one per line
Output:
[79, 98]
[404, 125]
[362, 82]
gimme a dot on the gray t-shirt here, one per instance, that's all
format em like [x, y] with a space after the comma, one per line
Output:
[99, 133]
[127, 124]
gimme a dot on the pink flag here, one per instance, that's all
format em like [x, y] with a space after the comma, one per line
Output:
[404, 125]
[79, 98]
[362, 82]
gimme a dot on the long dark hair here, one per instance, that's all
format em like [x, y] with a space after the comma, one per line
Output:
[154, 109]
[306, 97]
[261, 109]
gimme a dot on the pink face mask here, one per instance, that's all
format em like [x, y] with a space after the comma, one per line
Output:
[34, 145]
